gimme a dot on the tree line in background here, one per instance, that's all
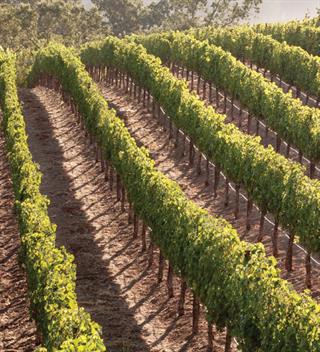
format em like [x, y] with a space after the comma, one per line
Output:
[32, 23]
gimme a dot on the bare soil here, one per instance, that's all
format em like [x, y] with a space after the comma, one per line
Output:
[113, 281]
[17, 329]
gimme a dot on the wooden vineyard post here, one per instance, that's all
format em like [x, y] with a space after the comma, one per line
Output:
[183, 144]
[131, 87]
[116, 77]
[176, 143]
[257, 127]
[249, 123]
[216, 181]
[161, 267]
[123, 198]
[144, 98]
[171, 67]
[118, 188]
[170, 281]
[226, 193]
[111, 178]
[148, 100]
[191, 153]
[130, 214]
[312, 169]
[135, 225]
[300, 156]
[204, 90]
[207, 172]
[143, 237]
[308, 270]
[278, 143]
[153, 108]
[127, 85]
[158, 112]
[192, 78]
[195, 315]
[249, 211]
[232, 108]
[240, 118]
[183, 290]
[224, 102]
[275, 237]
[288, 263]
[210, 93]
[288, 150]
[106, 172]
[261, 225]
[150, 259]
[199, 164]
[237, 205]
[135, 91]
[198, 84]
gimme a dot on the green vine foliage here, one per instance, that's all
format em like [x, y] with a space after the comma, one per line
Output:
[276, 184]
[51, 272]
[294, 33]
[293, 64]
[297, 124]
[239, 286]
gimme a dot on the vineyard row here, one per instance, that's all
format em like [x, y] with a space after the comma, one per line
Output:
[237, 283]
[50, 270]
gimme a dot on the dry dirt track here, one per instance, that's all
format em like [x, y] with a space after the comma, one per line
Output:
[113, 282]
[17, 330]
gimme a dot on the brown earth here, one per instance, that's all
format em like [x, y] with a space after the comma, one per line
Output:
[17, 329]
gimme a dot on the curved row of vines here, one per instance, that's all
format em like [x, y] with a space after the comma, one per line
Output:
[294, 65]
[50, 270]
[239, 286]
[294, 33]
[296, 124]
[275, 184]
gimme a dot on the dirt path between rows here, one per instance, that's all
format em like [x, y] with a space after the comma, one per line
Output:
[17, 329]
[113, 282]
[170, 161]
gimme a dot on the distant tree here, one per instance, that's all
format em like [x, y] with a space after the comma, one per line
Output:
[183, 14]
[34, 23]
[123, 16]
[186, 13]
[156, 14]
[17, 26]
[228, 12]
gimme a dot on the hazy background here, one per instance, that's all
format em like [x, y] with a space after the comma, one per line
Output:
[284, 10]
[280, 10]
